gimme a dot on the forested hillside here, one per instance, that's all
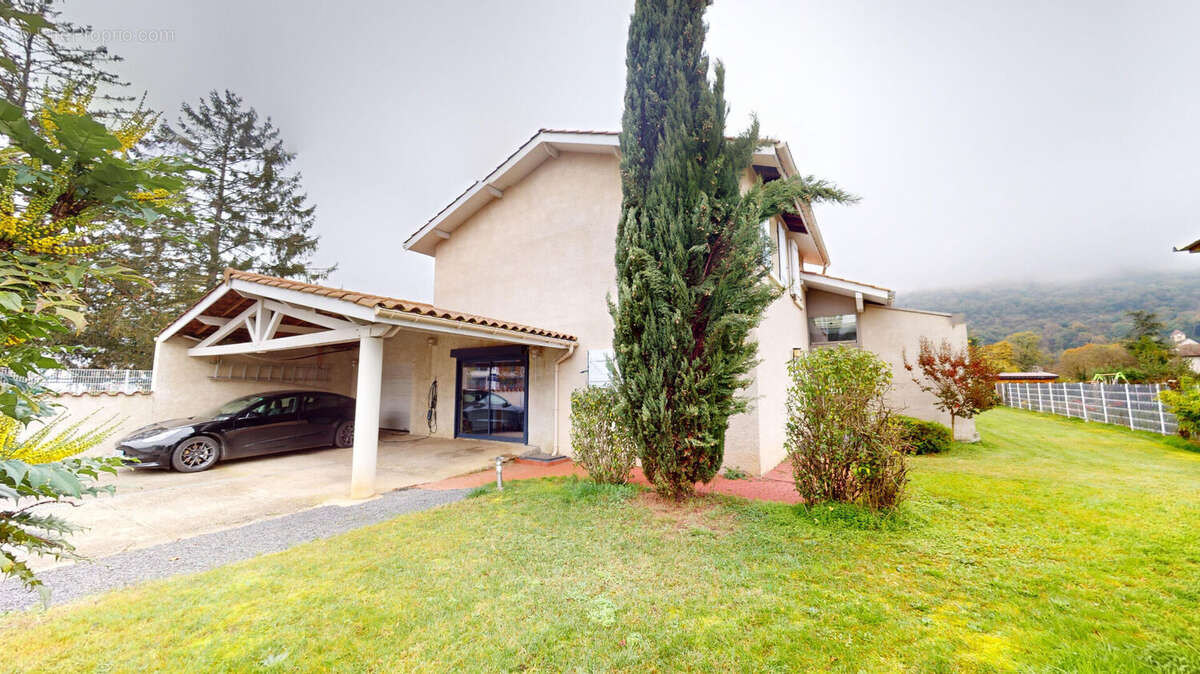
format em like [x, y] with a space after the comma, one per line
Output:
[1070, 314]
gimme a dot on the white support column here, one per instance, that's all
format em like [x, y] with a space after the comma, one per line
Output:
[1103, 402]
[366, 416]
[1083, 402]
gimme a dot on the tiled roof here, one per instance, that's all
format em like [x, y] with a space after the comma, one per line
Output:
[1189, 350]
[392, 303]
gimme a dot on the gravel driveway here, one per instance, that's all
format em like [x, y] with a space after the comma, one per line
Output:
[207, 551]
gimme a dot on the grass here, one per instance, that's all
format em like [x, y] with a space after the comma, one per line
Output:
[1053, 545]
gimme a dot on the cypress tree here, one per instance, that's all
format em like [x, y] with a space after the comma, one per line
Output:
[691, 275]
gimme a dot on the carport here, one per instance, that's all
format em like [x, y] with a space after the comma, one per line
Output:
[255, 319]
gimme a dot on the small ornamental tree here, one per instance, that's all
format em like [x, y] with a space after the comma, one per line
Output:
[962, 381]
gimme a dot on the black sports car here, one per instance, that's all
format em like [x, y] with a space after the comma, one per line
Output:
[263, 423]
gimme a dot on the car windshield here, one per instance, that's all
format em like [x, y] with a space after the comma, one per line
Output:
[234, 406]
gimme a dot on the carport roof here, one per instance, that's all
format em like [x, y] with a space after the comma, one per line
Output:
[225, 300]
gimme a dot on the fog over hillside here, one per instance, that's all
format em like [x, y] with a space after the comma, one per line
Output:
[1070, 314]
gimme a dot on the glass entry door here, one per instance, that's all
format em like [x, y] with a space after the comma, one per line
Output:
[492, 399]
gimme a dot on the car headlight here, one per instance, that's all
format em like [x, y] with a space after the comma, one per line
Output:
[166, 435]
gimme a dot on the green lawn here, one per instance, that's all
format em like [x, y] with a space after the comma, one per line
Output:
[1052, 545]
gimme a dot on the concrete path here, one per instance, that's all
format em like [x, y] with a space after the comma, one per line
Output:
[155, 506]
[208, 551]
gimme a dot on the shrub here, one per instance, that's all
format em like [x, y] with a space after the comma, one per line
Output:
[600, 441]
[922, 437]
[1185, 405]
[841, 441]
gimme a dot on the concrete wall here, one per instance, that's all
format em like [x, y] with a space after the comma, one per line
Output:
[891, 333]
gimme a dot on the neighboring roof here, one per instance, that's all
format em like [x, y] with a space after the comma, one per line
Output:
[230, 303]
[841, 286]
[1189, 350]
[1026, 375]
[544, 145]
[1193, 247]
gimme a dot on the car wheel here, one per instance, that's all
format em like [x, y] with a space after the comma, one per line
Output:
[195, 454]
[344, 436]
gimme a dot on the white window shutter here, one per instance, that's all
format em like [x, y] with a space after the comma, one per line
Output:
[782, 253]
[794, 266]
[597, 366]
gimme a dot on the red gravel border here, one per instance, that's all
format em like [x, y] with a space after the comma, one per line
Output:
[775, 486]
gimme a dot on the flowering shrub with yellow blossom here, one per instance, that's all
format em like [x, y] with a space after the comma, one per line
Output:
[50, 443]
[65, 179]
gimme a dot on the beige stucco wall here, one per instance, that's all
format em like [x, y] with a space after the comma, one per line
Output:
[541, 255]
[432, 361]
[128, 411]
[892, 333]
[784, 327]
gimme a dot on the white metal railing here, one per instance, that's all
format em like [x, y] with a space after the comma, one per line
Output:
[1135, 406]
[78, 380]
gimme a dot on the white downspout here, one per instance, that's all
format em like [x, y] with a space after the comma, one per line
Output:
[570, 352]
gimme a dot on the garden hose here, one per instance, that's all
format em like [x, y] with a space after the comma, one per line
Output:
[431, 414]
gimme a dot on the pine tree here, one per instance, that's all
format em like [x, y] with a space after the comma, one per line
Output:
[42, 54]
[244, 210]
[690, 266]
[248, 211]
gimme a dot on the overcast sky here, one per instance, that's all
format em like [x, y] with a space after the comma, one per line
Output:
[989, 141]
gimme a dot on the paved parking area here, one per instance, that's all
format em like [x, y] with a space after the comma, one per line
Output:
[152, 507]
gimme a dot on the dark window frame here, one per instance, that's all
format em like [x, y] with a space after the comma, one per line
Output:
[490, 354]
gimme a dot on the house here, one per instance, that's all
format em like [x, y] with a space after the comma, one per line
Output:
[1179, 338]
[523, 264]
[1190, 353]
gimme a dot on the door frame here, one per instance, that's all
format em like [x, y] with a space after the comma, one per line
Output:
[487, 354]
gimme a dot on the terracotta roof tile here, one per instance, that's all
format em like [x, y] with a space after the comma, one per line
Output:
[393, 303]
[1189, 350]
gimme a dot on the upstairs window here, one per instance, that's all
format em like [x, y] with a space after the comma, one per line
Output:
[833, 329]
